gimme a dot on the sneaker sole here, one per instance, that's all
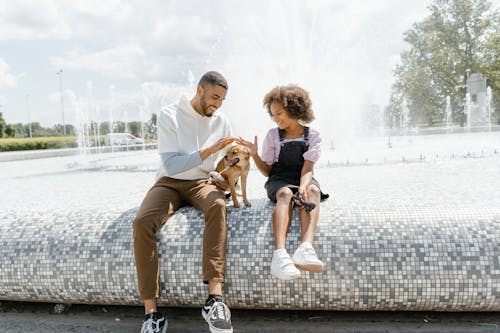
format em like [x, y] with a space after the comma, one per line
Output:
[310, 268]
[287, 278]
[212, 328]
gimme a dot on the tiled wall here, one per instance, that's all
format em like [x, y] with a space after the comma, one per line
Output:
[377, 257]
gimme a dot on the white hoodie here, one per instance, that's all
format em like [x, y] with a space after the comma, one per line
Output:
[183, 130]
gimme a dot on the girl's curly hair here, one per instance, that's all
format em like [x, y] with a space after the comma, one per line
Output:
[294, 99]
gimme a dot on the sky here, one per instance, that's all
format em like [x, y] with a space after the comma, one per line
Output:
[123, 60]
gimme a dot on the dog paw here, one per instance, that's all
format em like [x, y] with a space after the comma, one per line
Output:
[236, 205]
[247, 203]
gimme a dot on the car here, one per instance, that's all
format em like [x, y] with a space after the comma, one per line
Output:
[117, 139]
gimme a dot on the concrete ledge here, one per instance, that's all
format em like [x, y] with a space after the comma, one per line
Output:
[377, 258]
[44, 153]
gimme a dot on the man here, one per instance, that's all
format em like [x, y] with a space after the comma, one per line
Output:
[190, 134]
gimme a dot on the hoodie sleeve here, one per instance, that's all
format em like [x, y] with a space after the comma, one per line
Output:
[167, 130]
[175, 163]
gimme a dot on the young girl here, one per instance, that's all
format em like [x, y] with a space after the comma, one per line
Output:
[288, 156]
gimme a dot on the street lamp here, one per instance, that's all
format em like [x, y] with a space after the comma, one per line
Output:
[29, 118]
[59, 72]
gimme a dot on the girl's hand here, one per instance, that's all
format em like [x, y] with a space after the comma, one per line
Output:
[303, 193]
[252, 146]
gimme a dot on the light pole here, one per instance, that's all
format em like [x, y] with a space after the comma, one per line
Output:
[59, 72]
[28, 109]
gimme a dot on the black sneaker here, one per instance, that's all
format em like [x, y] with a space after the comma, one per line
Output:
[154, 323]
[217, 315]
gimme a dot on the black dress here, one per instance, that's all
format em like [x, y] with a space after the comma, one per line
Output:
[286, 172]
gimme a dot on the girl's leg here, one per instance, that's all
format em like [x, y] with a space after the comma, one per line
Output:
[305, 257]
[282, 265]
[282, 216]
[309, 221]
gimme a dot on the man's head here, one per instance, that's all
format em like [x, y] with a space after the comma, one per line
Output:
[210, 93]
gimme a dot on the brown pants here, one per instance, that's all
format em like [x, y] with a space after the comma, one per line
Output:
[162, 200]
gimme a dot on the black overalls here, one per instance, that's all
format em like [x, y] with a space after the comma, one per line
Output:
[286, 172]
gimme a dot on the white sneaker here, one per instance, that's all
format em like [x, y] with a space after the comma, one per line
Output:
[282, 266]
[305, 258]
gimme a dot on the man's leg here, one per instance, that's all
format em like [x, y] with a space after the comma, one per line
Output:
[160, 203]
[210, 200]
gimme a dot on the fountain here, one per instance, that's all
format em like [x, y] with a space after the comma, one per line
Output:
[488, 107]
[447, 114]
[468, 110]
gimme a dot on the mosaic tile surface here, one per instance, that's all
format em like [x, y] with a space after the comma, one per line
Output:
[375, 258]
[394, 237]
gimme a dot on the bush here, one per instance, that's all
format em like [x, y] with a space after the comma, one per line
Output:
[14, 144]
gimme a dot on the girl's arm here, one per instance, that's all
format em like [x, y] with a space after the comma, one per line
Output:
[306, 178]
[263, 167]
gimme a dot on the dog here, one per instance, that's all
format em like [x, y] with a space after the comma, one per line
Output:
[235, 165]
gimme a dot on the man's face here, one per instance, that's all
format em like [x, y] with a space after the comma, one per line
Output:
[211, 99]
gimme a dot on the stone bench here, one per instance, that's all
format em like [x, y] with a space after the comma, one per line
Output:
[376, 258]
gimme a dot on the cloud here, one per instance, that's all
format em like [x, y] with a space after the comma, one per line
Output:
[7, 80]
[25, 19]
[69, 98]
[53, 19]
[121, 61]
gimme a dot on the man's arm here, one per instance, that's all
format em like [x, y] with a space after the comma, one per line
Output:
[175, 163]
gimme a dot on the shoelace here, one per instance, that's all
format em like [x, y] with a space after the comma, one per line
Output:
[152, 326]
[219, 311]
[310, 253]
[285, 262]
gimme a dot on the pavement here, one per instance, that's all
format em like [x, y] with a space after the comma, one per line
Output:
[44, 318]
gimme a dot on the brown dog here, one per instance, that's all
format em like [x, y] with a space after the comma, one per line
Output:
[234, 165]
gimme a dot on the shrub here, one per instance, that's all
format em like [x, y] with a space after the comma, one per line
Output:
[13, 144]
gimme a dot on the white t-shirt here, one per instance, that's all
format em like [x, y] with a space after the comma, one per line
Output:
[183, 130]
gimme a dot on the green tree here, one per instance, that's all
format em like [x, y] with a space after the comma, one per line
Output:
[2, 125]
[457, 38]
[135, 128]
[491, 67]
[150, 127]
[10, 131]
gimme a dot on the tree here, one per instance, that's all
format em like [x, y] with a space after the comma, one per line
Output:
[456, 39]
[491, 68]
[10, 131]
[150, 131]
[2, 125]
[135, 128]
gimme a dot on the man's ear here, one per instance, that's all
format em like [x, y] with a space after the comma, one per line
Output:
[199, 90]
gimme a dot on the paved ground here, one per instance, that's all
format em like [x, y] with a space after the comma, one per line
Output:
[40, 317]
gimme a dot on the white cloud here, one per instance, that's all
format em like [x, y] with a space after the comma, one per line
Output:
[121, 61]
[27, 19]
[69, 98]
[7, 80]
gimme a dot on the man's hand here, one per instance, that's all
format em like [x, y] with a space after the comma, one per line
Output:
[218, 180]
[221, 143]
[222, 184]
